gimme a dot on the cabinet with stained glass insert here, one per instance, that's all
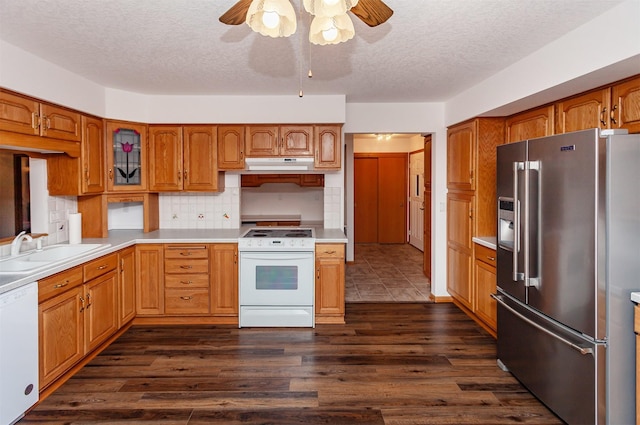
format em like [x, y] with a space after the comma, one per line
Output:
[126, 156]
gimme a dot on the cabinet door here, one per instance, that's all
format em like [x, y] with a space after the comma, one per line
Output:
[224, 279]
[459, 246]
[327, 139]
[625, 108]
[230, 147]
[93, 151]
[126, 286]
[486, 308]
[19, 114]
[101, 311]
[200, 158]
[589, 110]
[461, 151]
[126, 156]
[60, 123]
[262, 141]
[149, 279]
[330, 272]
[296, 140]
[165, 158]
[61, 334]
[530, 124]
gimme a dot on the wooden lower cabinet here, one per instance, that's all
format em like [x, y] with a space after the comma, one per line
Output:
[484, 271]
[77, 312]
[330, 272]
[149, 279]
[126, 285]
[224, 279]
[186, 279]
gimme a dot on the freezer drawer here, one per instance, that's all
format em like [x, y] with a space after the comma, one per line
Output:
[557, 372]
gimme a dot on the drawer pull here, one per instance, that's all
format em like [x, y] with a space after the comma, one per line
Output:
[102, 267]
[61, 285]
[186, 254]
[186, 298]
[186, 282]
[186, 267]
[491, 258]
[329, 252]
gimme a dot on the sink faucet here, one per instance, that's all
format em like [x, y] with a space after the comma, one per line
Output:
[15, 245]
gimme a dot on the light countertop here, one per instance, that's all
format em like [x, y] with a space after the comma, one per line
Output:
[488, 241]
[635, 297]
[120, 239]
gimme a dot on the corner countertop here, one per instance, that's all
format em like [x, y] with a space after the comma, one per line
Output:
[635, 297]
[120, 239]
[488, 241]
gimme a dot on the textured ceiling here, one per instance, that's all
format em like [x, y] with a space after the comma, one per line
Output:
[430, 50]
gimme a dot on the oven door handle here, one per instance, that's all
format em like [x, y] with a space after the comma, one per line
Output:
[276, 255]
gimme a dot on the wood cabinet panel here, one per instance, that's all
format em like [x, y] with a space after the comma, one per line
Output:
[185, 281]
[61, 334]
[200, 155]
[459, 278]
[530, 124]
[126, 286]
[165, 158]
[231, 147]
[186, 265]
[101, 311]
[296, 140]
[19, 114]
[272, 140]
[60, 123]
[149, 279]
[224, 279]
[99, 266]
[262, 141]
[461, 154]
[93, 161]
[625, 108]
[186, 251]
[484, 271]
[459, 219]
[303, 180]
[128, 173]
[52, 286]
[589, 110]
[186, 301]
[330, 280]
[328, 145]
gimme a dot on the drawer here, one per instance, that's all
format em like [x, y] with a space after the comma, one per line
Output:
[330, 250]
[186, 251]
[186, 301]
[184, 281]
[486, 255]
[175, 265]
[100, 266]
[51, 286]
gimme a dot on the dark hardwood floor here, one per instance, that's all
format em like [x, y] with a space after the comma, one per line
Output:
[414, 363]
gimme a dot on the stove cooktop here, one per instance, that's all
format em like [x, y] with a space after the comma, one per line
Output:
[279, 233]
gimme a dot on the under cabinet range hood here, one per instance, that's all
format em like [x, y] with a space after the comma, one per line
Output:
[279, 164]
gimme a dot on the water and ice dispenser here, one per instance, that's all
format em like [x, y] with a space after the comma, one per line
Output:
[505, 223]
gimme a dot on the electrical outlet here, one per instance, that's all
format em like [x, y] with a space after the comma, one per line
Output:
[200, 216]
[174, 216]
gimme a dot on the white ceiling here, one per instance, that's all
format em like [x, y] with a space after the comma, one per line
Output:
[429, 51]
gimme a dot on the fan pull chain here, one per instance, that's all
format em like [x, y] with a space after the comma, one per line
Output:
[300, 93]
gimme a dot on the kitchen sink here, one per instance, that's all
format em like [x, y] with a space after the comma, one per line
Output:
[33, 261]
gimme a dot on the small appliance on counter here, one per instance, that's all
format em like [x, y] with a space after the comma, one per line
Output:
[276, 277]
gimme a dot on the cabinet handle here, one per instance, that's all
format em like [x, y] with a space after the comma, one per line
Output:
[241, 155]
[35, 120]
[186, 253]
[471, 213]
[186, 267]
[179, 175]
[102, 267]
[61, 285]
[329, 252]
[186, 298]
[86, 174]
[235, 258]
[602, 116]
[491, 258]
[47, 123]
[186, 175]
[186, 282]
[82, 304]
[110, 174]
[88, 300]
[318, 273]
[612, 115]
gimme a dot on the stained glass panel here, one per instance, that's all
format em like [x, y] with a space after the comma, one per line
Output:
[126, 153]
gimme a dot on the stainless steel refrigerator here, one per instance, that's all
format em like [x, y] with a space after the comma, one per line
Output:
[568, 257]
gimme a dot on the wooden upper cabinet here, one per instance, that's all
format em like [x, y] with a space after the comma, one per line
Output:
[200, 156]
[92, 155]
[328, 146]
[165, 158]
[625, 105]
[461, 151]
[21, 114]
[231, 147]
[427, 162]
[530, 124]
[126, 156]
[285, 140]
[589, 110]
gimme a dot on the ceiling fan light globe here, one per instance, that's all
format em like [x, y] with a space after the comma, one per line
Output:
[330, 34]
[273, 18]
[329, 8]
[342, 24]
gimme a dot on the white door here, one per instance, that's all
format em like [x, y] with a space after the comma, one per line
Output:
[416, 199]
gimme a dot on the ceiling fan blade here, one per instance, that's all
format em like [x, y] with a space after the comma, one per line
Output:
[237, 14]
[372, 12]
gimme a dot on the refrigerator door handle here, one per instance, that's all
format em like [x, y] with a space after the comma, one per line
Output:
[530, 280]
[517, 166]
[582, 350]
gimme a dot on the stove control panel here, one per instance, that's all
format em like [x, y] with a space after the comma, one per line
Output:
[276, 244]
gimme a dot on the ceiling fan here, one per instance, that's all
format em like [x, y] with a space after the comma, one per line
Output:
[371, 12]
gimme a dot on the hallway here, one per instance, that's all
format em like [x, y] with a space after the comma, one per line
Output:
[386, 273]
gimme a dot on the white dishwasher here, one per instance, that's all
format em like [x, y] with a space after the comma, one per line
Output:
[18, 352]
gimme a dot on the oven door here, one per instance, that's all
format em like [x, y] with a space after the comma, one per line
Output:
[276, 278]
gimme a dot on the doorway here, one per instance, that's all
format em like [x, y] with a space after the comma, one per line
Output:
[380, 193]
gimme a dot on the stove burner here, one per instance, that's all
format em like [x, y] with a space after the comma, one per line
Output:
[259, 235]
[279, 233]
[295, 235]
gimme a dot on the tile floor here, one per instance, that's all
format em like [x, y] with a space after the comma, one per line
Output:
[386, 273]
